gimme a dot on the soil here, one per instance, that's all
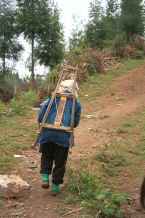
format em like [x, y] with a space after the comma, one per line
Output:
[125, 97]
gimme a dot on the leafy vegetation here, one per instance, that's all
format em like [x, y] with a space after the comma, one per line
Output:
[23, 103]
[87, 189]
[9, 46]
[95, 85]
[39, 22]
[132, 17]
[126, 65]
[105, 24]
[92, 186]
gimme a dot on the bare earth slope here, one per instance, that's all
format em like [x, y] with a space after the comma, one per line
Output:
[125, 97]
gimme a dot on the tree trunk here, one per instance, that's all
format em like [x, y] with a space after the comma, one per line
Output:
[3, 70]
[33, 64]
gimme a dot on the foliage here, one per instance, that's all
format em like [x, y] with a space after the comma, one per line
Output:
[119, 41]
[25, 101]
[50, 49]
[126, 65]
[116, 20]
[96, 84]
[9, 46]
[92, 195]
[3, 109]
[139, 54]
[111, 21]
[95, 32]
[39, 21]
[77, 39]
[112, 7]
[78, 36]
[102, 26]
[112, 159]
[51, 79]
[15, 137]
[132, 17]
[89, 61]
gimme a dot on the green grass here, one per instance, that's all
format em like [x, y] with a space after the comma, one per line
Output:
[85, 188]
[126, 125]
[98, 84]
[127, 65]
[17, 134]
[95, 85]
[88, 186]
[91, 186]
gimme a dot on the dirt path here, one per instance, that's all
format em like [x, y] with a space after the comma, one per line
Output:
[125, 97]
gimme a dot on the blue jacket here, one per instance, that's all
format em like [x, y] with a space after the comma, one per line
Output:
[61, 138]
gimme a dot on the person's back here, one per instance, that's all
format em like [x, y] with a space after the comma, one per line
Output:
[59, 137]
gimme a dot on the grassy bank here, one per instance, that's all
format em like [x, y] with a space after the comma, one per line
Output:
[97, 84]
[17, 129]
[17, 134]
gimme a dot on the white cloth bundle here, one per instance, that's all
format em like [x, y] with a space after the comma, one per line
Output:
[68, 85]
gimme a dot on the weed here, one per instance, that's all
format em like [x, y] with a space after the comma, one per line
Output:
[125, 126]
[92, 195]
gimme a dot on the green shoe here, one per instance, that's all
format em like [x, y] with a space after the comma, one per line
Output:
[45, 181]
[54, 190]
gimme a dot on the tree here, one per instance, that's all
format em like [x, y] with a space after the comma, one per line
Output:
[111, 20]
[78, 37]
[112, 8]
[132, 17]
[50, 45]
[39, 24]
[95, 32]
[9, 46]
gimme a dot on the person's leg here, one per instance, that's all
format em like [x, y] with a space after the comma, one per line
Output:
[60, 158]
[46, 164]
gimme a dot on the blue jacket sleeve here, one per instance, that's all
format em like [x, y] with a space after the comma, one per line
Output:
[42, 111]
[77, 113]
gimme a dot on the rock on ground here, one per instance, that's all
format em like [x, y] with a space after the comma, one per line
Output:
[12, 186]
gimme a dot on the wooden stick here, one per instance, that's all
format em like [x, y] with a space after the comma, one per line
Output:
[73, 211]
[73, 110]
[47, 110]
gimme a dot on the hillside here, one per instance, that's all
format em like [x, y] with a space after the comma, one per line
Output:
[112, 123]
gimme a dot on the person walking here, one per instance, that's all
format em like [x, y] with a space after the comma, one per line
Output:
[54, 144]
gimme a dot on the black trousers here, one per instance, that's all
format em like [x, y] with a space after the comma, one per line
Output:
[53, 154]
